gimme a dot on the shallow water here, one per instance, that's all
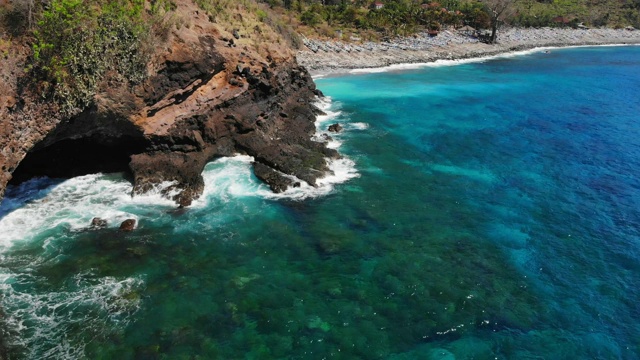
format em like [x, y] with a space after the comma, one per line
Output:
[486, 210]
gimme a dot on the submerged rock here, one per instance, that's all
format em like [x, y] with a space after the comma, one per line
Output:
[137, 251]
[317, 323]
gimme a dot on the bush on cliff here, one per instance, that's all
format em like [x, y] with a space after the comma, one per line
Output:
[77, 42]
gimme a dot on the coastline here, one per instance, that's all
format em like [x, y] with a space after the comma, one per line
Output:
[335, 57]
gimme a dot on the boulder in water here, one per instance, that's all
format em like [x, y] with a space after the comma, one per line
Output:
[98, 223]
[326, 137]
[128, 225]
[335, 128]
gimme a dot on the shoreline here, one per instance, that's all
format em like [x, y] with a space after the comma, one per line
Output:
[336, 58]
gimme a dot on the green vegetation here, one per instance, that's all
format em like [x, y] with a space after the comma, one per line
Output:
[590, 12]
[260, 25]
[405, 17]
[77, 44]
[213, 7]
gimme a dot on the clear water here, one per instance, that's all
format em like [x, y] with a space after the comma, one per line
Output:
[486, 210]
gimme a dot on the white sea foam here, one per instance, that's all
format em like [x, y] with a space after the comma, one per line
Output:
[454, 62]
[323, 121]
[414, 66]
[334, 144]
[226, 179]
[232, 177]
[325, 104]
[358, 126]
[43, 321]
[159, 195]
[39, 205]
[342, 170]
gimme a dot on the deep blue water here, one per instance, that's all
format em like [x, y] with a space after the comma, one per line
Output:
[488, 210]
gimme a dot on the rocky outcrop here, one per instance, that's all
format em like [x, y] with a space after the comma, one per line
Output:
[98, 223]
[128, 225]
[336, 128]
[208, 94]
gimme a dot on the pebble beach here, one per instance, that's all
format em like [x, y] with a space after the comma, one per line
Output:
[330, 57]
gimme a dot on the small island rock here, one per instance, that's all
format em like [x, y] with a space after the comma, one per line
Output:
[128, 225]
[336, 128]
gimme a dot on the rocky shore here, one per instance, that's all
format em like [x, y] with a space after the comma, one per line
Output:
[326, 57]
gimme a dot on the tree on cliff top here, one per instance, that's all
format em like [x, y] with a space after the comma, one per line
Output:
[498, 10]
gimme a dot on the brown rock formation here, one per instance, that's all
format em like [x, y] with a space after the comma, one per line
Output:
[208, 94]
[128, 225]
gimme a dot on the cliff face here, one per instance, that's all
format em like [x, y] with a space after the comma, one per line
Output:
[210, 92]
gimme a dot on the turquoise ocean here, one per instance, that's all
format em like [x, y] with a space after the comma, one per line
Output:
[485, 209]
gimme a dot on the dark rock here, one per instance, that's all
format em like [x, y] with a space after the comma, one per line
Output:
[326, 137]
[185, 170]
[276, 181]
[236, 34]
[128, 225]
[335, 128]
[331, 153]
[98, 223]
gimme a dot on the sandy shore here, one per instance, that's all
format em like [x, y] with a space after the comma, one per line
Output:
[339, 57]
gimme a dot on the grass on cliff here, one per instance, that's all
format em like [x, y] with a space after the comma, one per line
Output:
[260, 25]
[78, 44]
